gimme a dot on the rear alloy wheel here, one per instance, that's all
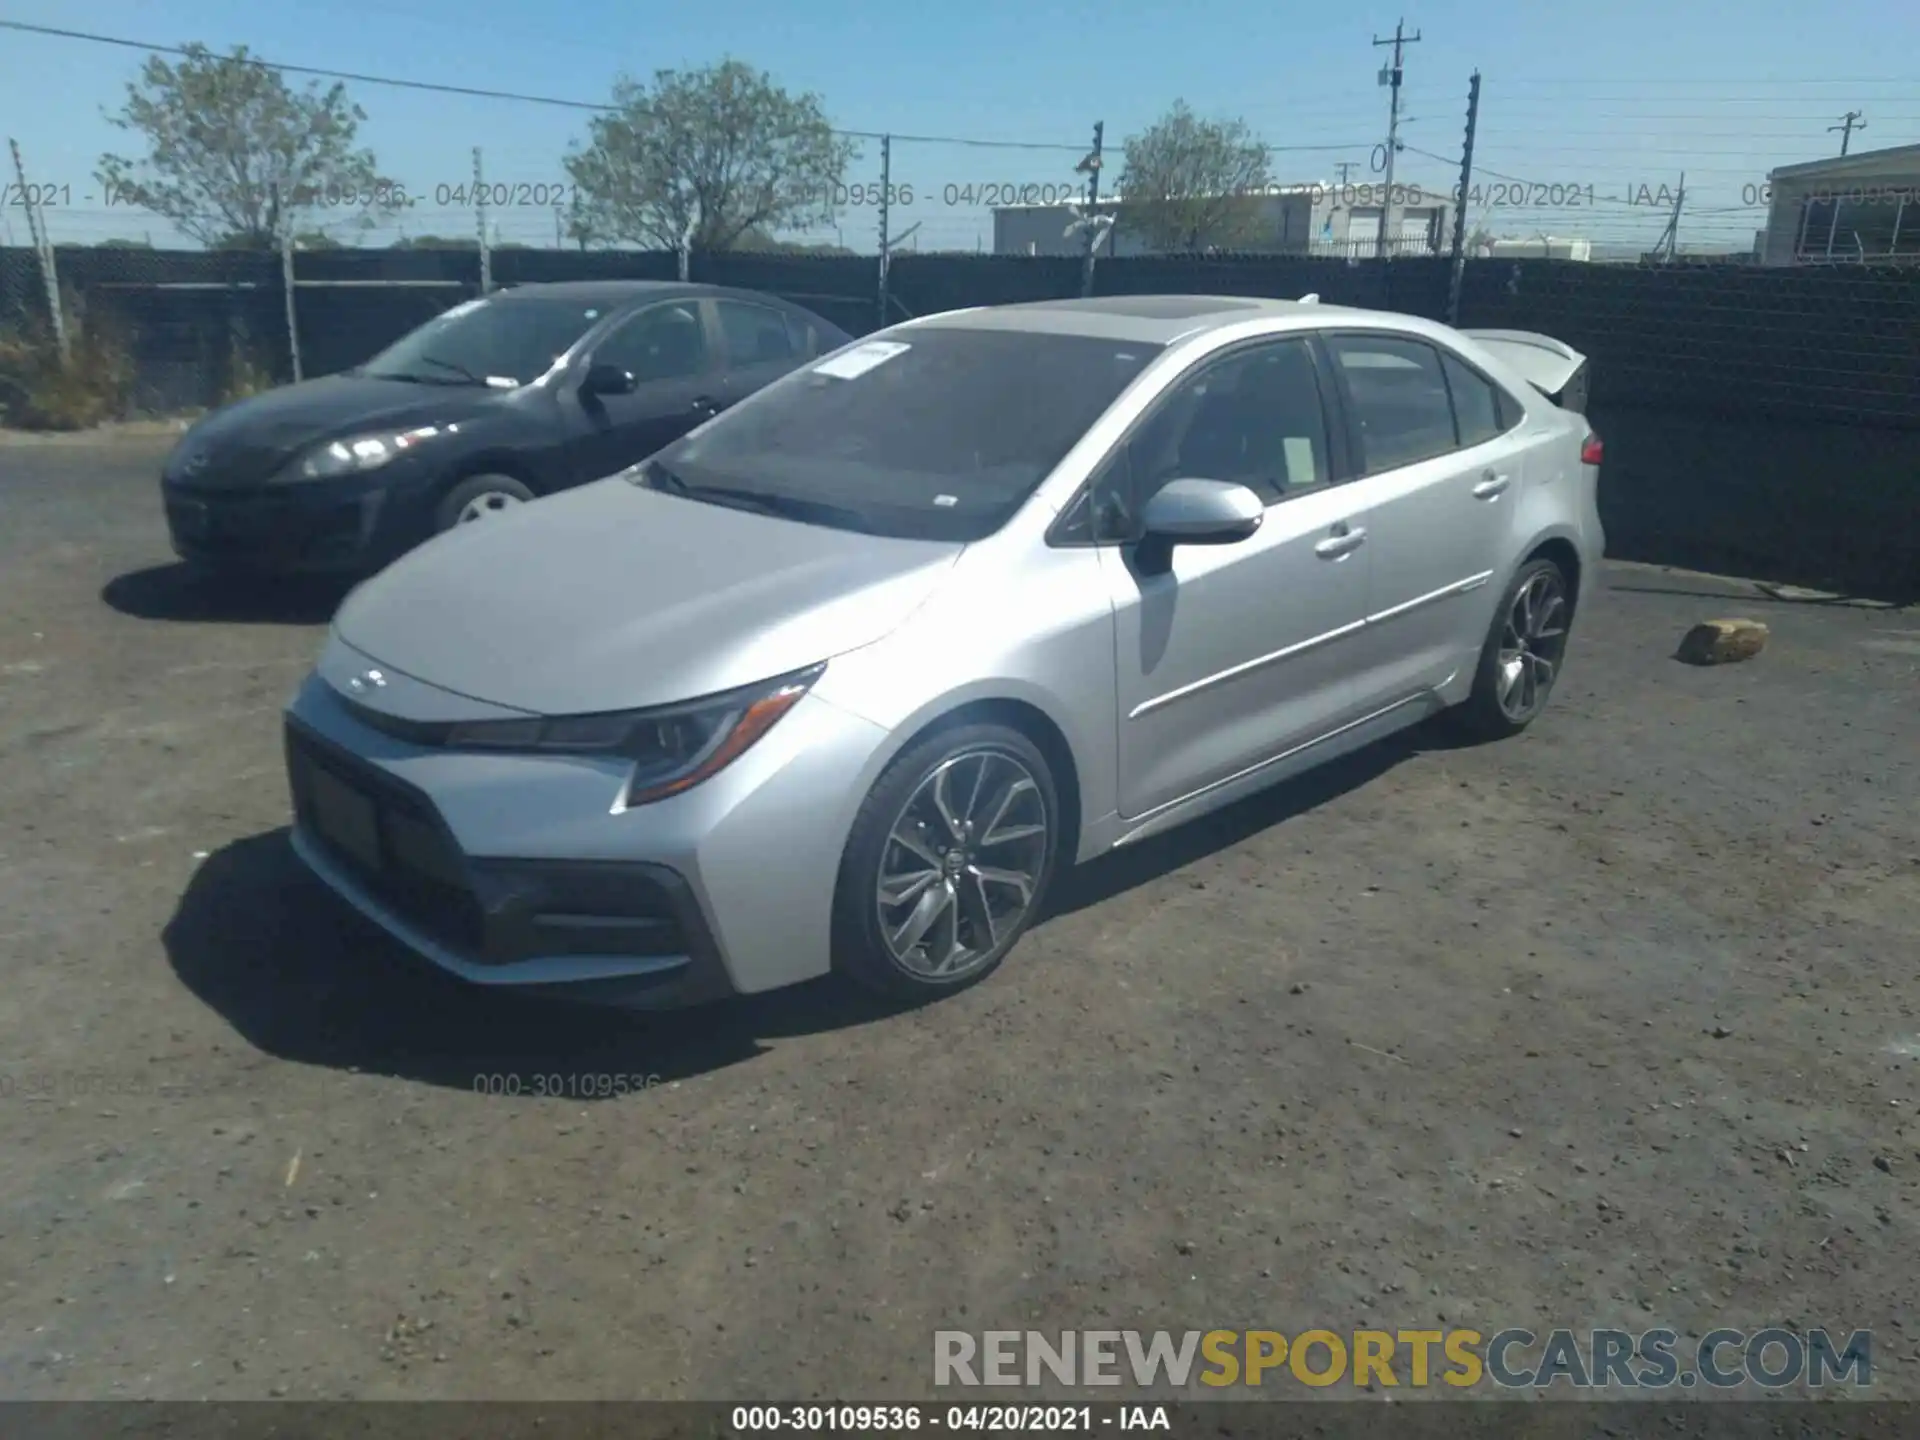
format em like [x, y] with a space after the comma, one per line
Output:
[480, 497]
[1523, 654]
[948, 863]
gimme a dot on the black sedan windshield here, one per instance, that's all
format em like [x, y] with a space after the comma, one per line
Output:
[937, 434]
[493, 341]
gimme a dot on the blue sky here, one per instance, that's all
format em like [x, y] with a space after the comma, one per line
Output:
[1598, 100]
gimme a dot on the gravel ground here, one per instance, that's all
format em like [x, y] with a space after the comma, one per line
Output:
[1611, 1024]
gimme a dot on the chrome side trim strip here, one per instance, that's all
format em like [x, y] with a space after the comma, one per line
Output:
[1458, 587]
[1445, 592]
[1146, 707]
[1142, 821]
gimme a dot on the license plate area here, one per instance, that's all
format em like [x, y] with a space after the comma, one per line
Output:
[345, 817]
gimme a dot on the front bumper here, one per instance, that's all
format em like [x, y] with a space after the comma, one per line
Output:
[318, 528]
[514, 870]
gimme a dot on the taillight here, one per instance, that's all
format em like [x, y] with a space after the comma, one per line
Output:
[1592, 451]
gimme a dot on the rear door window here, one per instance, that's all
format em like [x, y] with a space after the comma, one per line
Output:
[1476, 403]
[1401, 405]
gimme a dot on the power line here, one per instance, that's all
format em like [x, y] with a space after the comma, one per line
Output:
[472, 92]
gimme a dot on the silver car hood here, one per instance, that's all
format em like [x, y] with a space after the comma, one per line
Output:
[613, 597]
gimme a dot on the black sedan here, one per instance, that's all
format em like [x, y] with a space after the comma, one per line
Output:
[498, 401]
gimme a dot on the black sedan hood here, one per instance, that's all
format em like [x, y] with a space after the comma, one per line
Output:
[243, 443]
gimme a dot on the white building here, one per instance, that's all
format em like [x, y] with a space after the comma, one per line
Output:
[1314, 218]
[1852, 209]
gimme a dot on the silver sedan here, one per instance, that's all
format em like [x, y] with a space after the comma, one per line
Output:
[842, 680]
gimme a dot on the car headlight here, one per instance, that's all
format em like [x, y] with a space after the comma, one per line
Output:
[358, 453]
[673, 748]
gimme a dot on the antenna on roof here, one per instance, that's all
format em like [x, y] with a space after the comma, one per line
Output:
[1313, 299]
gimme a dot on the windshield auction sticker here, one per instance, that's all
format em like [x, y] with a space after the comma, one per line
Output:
[861, 359]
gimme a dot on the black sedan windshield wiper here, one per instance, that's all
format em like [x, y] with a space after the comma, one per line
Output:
[462, 371]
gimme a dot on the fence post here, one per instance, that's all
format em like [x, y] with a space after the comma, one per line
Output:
[886, 243]
[43, 252]
[1459, 268]
[287, 284]
[480, 213]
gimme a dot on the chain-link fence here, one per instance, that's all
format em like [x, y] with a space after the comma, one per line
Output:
[1743, 273]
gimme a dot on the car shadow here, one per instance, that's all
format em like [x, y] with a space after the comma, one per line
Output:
[1763, 594]
[302, 977]
[1134, 865]
[179, 592]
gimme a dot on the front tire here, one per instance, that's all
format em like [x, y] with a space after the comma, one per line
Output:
[948, 862]
[1521, 659]
[479, 497]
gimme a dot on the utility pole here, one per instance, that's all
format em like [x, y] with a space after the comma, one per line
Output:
[1090, 167]
[1392, 77]
[1460, 206]
[1849, 122]
[1343, 167]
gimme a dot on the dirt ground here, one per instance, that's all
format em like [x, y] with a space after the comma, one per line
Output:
[1612, 1024]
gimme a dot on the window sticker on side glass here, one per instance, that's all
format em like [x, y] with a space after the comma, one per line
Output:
[861, 359]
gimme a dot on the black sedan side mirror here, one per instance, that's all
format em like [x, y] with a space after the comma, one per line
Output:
[1197, 512]
[608, 380]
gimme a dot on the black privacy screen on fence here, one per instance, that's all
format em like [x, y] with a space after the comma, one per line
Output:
[1746, 409]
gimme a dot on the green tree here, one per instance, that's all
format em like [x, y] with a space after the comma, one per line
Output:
[233, 152]
[1189, 184]
[722, 151]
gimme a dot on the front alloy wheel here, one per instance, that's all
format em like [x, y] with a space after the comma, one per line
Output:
[489, 502]
[948, 862]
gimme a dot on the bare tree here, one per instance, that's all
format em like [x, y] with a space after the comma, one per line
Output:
[234, 152]
[723, 151]
[1191, 184]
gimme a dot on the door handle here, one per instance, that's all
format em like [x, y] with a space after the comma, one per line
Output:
[1491, 486]
[1343, 541]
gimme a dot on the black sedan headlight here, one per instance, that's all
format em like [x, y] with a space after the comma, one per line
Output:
[673, 748]
[356, 454]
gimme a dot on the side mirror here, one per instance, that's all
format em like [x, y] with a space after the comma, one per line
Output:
[1197, 512]
[608, 380]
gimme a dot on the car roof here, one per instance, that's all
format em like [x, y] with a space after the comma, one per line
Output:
[1144, 319]
[623, 292]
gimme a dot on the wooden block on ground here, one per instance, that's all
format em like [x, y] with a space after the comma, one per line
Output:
[1721, 642]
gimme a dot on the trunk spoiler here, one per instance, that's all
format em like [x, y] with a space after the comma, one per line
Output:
[1553, 367]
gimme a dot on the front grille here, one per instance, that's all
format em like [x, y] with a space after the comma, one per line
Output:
[228, 466]
[416, 870]
[262, 525]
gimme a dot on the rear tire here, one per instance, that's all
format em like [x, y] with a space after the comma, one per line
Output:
[479, 497]
[1520, 662]
[948, 863]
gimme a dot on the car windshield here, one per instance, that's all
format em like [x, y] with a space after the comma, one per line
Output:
[935, 433]
[487, 342]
